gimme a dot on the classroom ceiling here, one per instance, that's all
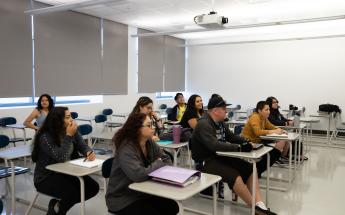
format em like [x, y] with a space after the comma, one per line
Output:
[171, 15]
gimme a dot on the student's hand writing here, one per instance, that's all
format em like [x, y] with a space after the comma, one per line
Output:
[90, 155]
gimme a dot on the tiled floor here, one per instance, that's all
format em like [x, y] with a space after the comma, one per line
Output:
[318, 189]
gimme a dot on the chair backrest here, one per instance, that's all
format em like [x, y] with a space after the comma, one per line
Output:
[238, 129]
[169, 111]
[106, 167]
[100, 118]
[74, 115]
[7, 121]
[107, 112]
[4, 141]
[163, 106]
[85, 129]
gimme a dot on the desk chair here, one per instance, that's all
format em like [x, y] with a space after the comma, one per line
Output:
[85, 130]
[108, 112]
[11, 121]
[6, 171]
[74, 115]
[106, 170]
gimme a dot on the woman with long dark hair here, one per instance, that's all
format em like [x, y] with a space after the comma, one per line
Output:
[193, 112]
[136, 156]
[58, 141]
[45, 104]
[275, 117]
[145, 105]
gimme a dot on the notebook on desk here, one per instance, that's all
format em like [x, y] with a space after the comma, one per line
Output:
[88, 164]
[175, 175]
[257, 146]
[278, 135]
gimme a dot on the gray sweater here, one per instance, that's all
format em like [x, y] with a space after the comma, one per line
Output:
[210, 137]
[130, 166]
[50, 153]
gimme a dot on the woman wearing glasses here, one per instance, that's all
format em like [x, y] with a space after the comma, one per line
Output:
[136, 157]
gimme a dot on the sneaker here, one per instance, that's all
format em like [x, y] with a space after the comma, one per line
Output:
[260, 211]
[51, 205]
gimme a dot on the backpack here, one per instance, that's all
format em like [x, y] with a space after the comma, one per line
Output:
[329, 108]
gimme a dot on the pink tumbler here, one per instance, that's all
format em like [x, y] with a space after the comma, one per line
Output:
[176, 133]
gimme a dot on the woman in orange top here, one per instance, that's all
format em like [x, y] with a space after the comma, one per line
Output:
[259, 125]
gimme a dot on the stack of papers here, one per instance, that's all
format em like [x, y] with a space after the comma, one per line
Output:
[88, 164]
[277, 135]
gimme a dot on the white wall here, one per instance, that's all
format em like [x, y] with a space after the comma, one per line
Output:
[119, 103]
[301, 72]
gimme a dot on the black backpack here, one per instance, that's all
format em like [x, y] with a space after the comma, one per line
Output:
[329, 108]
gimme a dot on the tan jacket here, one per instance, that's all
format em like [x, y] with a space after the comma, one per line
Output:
[256, 127]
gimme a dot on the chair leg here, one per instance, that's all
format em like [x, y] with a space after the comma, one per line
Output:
[31, 204]
[105, 185]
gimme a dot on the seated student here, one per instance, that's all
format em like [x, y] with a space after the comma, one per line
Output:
[278, 119]
[258, 125]
[145, 105]
[136, 156]
[193, 112]
[275, 117]
[44, 104]
[58, 141]
[211, 135]
[179, 109]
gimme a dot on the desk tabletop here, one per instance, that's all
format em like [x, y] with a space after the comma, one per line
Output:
[107, 135]
[19, 126]
[75, 170]
[85, 118]
[291, 137]
[175, 192]
[301, 126]
[309, 119]
[173, 145]
[255, 154]
[16, 152]
[237, 122]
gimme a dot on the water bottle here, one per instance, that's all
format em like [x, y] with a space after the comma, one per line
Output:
[176, 133]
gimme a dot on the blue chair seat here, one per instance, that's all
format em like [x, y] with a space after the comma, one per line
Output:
[6, 172]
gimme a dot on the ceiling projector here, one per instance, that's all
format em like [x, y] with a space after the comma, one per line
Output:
[211, 20]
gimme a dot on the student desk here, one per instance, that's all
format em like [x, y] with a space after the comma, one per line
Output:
[253, 157]
[79, 172]
[9, 155]
[234, 122]
[300, 129]
[329, 117]
[18, 126]
[291, 137]
[180, 193]
[86, 119]
[309, 121]
[176, 147]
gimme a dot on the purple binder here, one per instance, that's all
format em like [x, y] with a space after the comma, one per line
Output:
[175, 175]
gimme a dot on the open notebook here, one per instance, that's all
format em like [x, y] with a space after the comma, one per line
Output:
[88, 164]
[277, 135]
[175, 175]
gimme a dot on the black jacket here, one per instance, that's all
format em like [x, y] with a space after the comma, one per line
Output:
[205, 142]
[173, 114]
[276, 118]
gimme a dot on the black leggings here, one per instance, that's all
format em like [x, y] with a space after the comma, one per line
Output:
[262, 164]
[67, 189]
[152, 205]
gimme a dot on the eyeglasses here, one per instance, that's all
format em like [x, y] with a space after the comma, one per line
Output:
[147, 126]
